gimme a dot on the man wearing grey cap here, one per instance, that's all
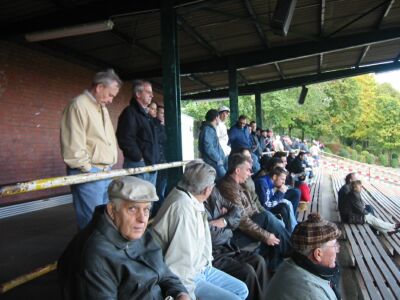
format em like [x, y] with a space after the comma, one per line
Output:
[114, 257]
[311, 272]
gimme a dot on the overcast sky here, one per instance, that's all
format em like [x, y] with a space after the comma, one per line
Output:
[391, 77]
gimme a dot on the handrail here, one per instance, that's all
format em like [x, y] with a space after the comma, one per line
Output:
[48, 183]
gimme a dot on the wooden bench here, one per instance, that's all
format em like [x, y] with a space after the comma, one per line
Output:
[378, 276]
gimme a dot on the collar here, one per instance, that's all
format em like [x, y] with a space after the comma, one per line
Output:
[89, 94]
[197, 205]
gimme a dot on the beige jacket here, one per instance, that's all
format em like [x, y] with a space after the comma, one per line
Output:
[181, 228]
[87, 135]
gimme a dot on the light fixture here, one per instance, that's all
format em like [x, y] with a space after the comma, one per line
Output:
[69, 31]
[303, 94]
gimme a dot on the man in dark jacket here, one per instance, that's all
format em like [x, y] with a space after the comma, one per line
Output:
[136, 133]
[223, 218]
[114, 257]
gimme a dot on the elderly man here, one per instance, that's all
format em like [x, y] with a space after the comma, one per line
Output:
[182, 229]
[222, 131]
[88, 143]
[311, 272]
[114, 257]
[136, 133]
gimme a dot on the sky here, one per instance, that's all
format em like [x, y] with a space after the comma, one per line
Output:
[392, 77]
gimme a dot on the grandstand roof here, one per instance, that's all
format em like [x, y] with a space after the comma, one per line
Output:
[327, 39]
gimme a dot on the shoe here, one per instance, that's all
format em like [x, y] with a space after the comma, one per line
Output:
[393, 232]
[395, 220]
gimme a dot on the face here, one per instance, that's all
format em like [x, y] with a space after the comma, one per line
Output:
[358, 188]
[105, 94]
[144, 97]
[223, 115]
[131, 219]
[270, 133]
[279, 180]
[264, 134]
[242, 123]
[253, 126]
[243, 172]
[327, 254]
[284, 161]
[160, 114]
[152, 110]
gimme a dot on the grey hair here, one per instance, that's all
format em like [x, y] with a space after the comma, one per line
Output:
[308, 250]
[197, 177]
[106, 78]
[138, 85]
[116, 203]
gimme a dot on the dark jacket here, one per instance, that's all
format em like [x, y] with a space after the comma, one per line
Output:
[296, 166]
[100, 264]
[209, 147]
[239, 138]
[136, 135]
[352, 209]
[214, 207]
[162, 140]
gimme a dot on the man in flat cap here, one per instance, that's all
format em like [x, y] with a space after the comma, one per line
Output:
[114, 257]
[311, 272]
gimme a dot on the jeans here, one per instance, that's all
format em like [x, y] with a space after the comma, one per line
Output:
[379, 224]
[214, 284]
[161, 188]
[256, 163]
[273, 254]
[86, 196]
[293, 195]
[148, 176]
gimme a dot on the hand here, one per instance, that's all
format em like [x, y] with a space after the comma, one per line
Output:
[272, 240]
[218, 223]
[223, 210]
[183, 296]
[283, 188]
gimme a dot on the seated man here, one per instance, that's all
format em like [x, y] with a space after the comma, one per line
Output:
[223, 217]
[114, 257]
[311, 272]
[353, 211]
[181, 227]
[256, 225]
[271, 191]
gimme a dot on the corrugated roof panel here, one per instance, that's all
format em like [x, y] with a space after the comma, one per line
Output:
[341, 59]
[299, 66]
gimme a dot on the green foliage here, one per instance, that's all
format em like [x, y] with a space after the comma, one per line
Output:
[354, 155]
[344, 153]
[394, 163]
[370, 159]
[395, 155]
[383, 160]
[327, 150]
[358, 148]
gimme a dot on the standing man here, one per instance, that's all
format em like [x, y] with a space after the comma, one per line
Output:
[209, 146]
[222, 131]
[136, 133]
[88, 142]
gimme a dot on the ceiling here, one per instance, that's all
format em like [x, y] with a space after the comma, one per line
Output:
[327, 39]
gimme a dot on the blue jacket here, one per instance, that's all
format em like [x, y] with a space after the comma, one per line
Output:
[266, 194]
[209, 146]
[239, 138]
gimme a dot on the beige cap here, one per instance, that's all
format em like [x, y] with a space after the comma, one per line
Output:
[131, 188]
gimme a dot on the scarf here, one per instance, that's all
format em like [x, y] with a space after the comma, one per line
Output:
[330, 274]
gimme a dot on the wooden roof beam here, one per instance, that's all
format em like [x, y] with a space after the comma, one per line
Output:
[256, 23]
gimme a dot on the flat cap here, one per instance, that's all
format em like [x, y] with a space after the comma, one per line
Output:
[131, 188]
[223, 108]
[314, 233]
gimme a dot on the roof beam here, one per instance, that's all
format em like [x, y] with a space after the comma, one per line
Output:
[279, 70]
[295, 82]
[277, 54]
[242, 78]
[194, 34]
[362, 56]
[195, 78]
[320, 60]
[384, 13]
[358, 18]
[256, 23]
[322, 18]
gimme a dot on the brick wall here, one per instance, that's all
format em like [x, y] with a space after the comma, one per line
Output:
[34, 89]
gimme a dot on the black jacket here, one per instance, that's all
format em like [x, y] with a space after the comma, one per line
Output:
[162, 139]
[352, 208]
[136, 134]
[100, 264]
[296, 166]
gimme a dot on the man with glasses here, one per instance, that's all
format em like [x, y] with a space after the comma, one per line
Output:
[311, 272]
[136, 132]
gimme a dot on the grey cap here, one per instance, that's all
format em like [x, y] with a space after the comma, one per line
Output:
[131, 188]
[223, 108]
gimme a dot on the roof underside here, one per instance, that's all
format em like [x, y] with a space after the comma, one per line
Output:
[325, 36]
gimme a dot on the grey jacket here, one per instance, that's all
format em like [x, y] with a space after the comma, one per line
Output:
[302, 284]
[100, 264]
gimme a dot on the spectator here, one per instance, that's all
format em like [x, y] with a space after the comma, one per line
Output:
[297, 165]
[271, 191]
[353, 211]
[305, 193]
[209, 147]
[136, 133]
[291, 157]
[254, 140]
[222, 131]
[269, 141]
[262, 140]
[181, 227]
[256, 224]
[161, 184]
[88, 143]
[152, 110]
[278, 145]
[314, 151]
[223, 218]
[114, 257]
[346, 188]
[311, 272]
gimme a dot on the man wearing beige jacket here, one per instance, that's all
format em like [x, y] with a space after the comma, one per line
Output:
[88, 143]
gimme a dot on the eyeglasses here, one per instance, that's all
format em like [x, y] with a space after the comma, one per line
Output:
[336, 245]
